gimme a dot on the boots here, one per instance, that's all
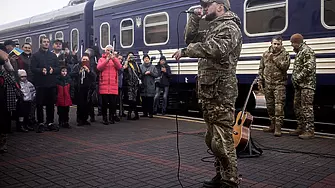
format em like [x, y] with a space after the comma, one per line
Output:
[215, 182]
[279, 123]
[307, 135]
[129, 115]
[104, 120]
[20, 127]
[137, 117]
[296, 132]
[270, 129]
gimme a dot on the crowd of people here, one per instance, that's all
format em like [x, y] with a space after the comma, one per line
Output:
[31, 83]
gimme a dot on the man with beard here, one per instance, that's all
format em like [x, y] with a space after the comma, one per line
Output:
[272, 80]
[45, 67]
[304, 82]
[218, 49]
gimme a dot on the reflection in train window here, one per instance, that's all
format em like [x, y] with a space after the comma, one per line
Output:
[28, 40]
[127, 33]
[329, 12]
[39, 40]
[104, 34]
[59, 36]
[74, 39]
[265, 17]
[156, 29]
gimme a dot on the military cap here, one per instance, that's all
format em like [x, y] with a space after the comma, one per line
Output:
[9, 42]
[226, 3]
[297, 38]
[58, 40]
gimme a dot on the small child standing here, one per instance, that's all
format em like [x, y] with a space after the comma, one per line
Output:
[64, 95]
[24, 105]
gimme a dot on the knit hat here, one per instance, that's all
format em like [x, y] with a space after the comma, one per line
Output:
[162, 57]
[22, 72]
[297, 38]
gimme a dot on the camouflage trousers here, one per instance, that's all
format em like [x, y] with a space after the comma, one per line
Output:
[303, 108]
[275, 96]
[218, 100]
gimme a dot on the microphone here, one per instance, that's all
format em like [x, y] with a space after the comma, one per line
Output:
[195, 11]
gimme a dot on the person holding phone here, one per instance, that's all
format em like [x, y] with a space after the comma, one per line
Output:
[108, 65]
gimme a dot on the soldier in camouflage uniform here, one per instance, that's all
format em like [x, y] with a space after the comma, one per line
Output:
[219, 50]
[304, 82]
[272, 80]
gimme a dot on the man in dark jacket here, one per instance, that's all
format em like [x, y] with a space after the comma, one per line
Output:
[162, 83]
[45, 67]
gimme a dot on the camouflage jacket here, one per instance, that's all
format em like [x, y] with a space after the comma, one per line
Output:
[218, 48]
[304, 69]
[274, 70]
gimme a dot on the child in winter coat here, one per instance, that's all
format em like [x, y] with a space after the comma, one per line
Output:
[64, 95]
[24, 105]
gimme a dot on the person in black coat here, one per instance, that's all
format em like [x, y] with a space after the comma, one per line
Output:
[162, 83]
[45, 67]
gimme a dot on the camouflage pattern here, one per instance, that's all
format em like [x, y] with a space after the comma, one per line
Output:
[303, 108]
[304, 82]
[225, 2]
[219, 50]
[273, 77]
[304, 69]
[275, 96]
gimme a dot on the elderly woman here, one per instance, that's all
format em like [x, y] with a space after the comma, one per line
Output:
[148, 90]
[108, 66]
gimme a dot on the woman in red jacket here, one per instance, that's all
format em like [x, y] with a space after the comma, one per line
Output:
[108, 66]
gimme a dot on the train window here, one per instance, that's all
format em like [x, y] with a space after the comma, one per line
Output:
[265, 17]
[59, 36]
[127, 33]
[104, 35]
[28, 40]
[156, 29]
[328, 14]
[74, 38]
[39, 40]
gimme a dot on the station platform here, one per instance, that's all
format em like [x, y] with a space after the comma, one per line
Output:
[143, 154]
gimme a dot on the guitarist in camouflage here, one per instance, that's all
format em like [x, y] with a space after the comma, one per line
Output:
[218, 51]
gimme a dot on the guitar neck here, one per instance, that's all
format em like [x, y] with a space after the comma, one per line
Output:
[246, 101]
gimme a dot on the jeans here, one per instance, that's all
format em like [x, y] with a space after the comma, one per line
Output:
[165, 95]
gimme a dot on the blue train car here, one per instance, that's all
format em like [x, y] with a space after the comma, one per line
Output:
[72, 23]
[150, 27]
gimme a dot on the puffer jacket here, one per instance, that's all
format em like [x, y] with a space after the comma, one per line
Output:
[64, 91]
[108, 81]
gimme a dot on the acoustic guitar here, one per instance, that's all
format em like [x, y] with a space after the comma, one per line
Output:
[241, 129]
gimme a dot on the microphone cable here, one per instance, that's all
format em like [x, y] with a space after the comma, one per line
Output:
[178, 101]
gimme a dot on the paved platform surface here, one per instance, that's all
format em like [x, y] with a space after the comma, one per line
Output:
[143, 154]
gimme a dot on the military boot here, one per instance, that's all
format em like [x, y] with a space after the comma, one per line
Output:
[271, 129]
[296, 132]
[215, 182]
[307, 135]
[279, 123]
